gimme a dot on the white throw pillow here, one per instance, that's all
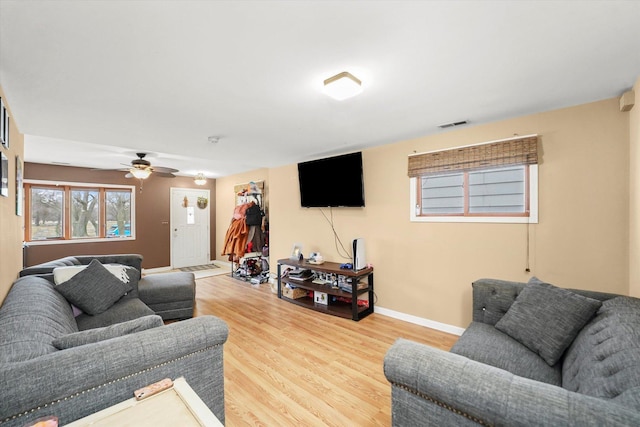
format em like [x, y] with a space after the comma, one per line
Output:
[62, 274]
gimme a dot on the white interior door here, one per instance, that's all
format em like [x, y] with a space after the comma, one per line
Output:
[189, 228]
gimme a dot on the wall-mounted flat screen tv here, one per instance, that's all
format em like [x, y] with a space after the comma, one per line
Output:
[332, 182]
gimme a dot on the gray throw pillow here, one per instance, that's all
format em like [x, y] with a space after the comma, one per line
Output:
[546, 319]
[93, 289]
[100, 334]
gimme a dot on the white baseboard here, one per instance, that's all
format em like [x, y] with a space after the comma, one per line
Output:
[450, 329]
[222, 264]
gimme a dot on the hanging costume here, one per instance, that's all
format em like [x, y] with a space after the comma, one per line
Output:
[235, 241]
[246, 228]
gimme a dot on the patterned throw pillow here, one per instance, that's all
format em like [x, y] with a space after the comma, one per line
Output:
[93, 289]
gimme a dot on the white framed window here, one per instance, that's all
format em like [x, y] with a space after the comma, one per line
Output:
[507, 195]
[68, 212]
[490, 182]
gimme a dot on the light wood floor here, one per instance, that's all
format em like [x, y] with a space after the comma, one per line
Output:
[286, 365]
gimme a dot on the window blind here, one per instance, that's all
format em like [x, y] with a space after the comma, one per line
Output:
[507, 152]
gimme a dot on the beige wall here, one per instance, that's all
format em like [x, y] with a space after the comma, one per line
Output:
[426, 269]
[10, 223]
[634, 199]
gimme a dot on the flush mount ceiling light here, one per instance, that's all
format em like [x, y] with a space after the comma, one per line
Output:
[200, 179]
[140, 173]
[342, 86]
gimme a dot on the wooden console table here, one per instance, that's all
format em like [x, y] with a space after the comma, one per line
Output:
[350, 310]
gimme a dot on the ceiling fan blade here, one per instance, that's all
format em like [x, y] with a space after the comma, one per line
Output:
[164, 170]
[109, 170]
[163, 174]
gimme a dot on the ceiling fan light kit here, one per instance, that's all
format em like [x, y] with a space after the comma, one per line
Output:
[140, 173]
[342, 86]
[142, 169]
[200, 179]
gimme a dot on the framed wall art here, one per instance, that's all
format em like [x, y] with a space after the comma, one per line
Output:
[4, 125]
[4, 175]
[19, 186]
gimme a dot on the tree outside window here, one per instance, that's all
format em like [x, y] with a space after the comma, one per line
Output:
[94, 212]
[85, 206]
[118, 207]
[46, 213]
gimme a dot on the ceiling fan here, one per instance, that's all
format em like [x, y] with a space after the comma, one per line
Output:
[142, 169]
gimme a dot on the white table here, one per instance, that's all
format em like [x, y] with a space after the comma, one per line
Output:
[176, 406]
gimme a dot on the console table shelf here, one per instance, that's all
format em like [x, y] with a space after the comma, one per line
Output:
[348, 310]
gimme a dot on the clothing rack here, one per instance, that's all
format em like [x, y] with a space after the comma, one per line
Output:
[246, 193]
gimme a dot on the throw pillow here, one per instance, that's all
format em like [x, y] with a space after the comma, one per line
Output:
[62, 274]
[546, 319]
[100, 334]
[123, 272]
[93, 289]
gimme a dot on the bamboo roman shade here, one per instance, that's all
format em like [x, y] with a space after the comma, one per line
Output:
[508, 152]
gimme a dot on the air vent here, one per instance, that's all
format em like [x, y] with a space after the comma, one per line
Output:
[452, 124]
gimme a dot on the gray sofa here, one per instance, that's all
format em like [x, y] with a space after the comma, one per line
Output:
[169, 295]
[491, 378]
[111, 360]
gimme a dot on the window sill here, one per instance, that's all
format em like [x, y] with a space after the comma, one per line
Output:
[476, 219]
[76, 241]
[531, 219]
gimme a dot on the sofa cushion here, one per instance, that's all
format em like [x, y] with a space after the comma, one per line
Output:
[546, 319]
[32, 315]
[93, 289]
[603, 359]
[122, 311]
[167, 287]
[100, 334]
[484, 343]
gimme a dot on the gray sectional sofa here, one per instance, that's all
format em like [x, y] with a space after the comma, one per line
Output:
[169, 295]
[534, 355]
[53, 363]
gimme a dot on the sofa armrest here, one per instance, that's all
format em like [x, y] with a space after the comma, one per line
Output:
[434, 387]
[76, 382]
[47, 267]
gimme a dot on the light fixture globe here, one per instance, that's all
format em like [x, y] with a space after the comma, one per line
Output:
[342, 86]
[200, 179]
[140, 173]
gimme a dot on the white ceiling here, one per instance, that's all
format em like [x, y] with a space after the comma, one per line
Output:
[91, 83]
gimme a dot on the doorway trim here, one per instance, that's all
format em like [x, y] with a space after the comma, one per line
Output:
[173, 205]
